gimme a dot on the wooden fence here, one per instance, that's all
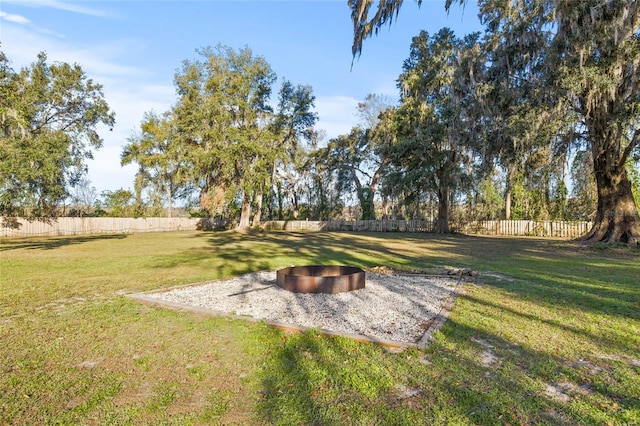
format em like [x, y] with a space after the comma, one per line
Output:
[486, 227]
[351, 225]
[527, 227]
[109, 225]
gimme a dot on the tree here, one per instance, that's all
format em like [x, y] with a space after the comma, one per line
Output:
[118, 202]
[323, 187]
[83, 196]
[48, 120]
[222, 116]
[435, 119]
[292, 124]
[584, 195]
[592, 71]
[371, 108]
[595, 57]
[357, 157]
[518, 121]
[162, 159]
[348, 155]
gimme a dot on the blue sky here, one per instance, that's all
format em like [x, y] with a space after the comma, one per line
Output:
[133, 48]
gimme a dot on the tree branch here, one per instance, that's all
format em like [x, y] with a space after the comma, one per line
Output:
[635, 140]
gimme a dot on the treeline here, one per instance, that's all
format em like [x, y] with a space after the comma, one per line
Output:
[546, 79]
[473, 137]
[536, 118]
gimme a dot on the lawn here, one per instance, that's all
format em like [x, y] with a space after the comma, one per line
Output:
[549, 333]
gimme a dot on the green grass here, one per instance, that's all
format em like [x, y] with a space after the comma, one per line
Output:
[548, 334]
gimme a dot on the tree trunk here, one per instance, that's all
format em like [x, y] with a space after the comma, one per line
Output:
[507, 195]
[365, 199]
[296, 207]
[442, 226]
[257, 216]
[373, 187]
[245, 213]
[169, 200]
[280, 201]
[203, 198]
[617, 217]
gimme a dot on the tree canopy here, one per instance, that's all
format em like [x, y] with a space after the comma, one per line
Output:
[163, 163]
[49, 117]
[223, 137]
[574, 66]
[535, 118]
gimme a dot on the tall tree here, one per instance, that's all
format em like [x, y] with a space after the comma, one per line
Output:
[350, 156]
[435, 118]
[323, 187]
[163, 162]
[292, 125]
[358, 157]
[223, 114]
[592, 65]
[515, 40]
[48, 120]
[595, 57]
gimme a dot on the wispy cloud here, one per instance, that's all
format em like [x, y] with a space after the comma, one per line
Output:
[129, 90]
[62, 5]
[22, 45]
[16, 19]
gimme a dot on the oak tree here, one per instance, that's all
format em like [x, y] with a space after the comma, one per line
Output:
[592, 63]
[222, 116]
[163, 163]
[49, 116]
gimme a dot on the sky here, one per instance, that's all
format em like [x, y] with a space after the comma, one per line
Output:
[134, 48]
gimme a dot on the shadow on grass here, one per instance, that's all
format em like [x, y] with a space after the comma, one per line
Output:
[233, 253]
[304, 248]
[51, 243]
[610, 339]
[313, 380]
[309, 379]
[546, 272]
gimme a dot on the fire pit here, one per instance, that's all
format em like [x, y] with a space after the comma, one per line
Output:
[320, 279]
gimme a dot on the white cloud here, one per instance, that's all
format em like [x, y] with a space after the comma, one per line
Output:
[16, 19]
[129, 91]
[22, 46]
[61, 5]
[129, 103]
[337, 114]
[105, 172]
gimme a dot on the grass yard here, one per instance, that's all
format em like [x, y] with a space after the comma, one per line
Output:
[549, 334]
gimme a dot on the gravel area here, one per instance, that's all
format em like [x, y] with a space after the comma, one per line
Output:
[392, 307]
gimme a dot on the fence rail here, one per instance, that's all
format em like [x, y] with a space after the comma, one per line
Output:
[486, 227]
[109, 225]
[527, 227]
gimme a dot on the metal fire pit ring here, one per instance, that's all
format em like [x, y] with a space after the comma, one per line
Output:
[320, 279]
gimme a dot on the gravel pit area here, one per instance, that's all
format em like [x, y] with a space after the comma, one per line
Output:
[394, 308]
